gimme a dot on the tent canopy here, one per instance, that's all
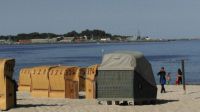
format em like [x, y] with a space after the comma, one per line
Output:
[128, 60]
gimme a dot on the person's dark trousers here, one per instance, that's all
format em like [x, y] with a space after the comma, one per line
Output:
[162, 88]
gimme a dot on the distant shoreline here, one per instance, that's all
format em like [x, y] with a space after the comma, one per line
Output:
[98, 42]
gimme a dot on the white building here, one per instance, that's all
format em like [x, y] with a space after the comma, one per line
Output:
[67, 39]
[2, 41]
[132, 38]
[105, 39]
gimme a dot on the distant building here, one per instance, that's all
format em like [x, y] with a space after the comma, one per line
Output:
[67, 39]
[147, 38]
[24, 41]
[53, 40]
[132, 38]
[85, 37]
[81, 39]
[2, 41]
[59, 38]
[105, 39]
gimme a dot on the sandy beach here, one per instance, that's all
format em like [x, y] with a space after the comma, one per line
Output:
[173, 101]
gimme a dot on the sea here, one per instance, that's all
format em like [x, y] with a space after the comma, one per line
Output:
[167, 54]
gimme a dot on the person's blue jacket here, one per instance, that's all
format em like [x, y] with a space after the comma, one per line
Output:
[162, 77]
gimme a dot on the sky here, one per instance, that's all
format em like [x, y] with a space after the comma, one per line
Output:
[153, 18]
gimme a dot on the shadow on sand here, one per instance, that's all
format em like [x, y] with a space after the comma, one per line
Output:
[163, 101]
[156, 102]
[194, 92]
[35, 105]
[170, 91]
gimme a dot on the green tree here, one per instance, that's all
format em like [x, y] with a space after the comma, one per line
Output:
[71, 34]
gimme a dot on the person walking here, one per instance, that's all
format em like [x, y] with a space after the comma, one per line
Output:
[179, 76]
[162, 75]
[168, 78]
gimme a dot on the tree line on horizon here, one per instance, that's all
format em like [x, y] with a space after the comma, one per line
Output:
[91, 34]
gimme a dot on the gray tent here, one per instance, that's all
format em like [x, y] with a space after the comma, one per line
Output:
[125, 76]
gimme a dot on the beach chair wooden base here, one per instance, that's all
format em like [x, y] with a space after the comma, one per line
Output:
[24, 89]
[90, 89]
[40, 93]
[57, 94]
[72, 89]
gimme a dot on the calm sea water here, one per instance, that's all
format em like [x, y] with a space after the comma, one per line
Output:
[167, 54]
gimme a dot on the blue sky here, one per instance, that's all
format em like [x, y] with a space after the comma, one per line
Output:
[154, 18]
